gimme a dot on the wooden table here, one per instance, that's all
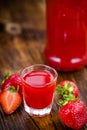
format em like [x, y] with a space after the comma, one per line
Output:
[24, 47]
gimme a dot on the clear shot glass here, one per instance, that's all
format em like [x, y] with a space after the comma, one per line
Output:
[39, 83]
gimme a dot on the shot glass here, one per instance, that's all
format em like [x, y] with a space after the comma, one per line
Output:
[39, 82]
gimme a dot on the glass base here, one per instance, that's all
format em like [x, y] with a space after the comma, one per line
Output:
[37, 112]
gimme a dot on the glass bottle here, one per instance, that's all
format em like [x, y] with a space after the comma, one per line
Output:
[66, 47]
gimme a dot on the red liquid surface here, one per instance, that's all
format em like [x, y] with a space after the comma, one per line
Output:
[37, 92]
[66, 47]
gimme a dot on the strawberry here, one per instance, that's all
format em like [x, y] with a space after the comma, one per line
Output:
[66, 90]
[73, 114]
[12, 80]
[72, 87]
[10, 99]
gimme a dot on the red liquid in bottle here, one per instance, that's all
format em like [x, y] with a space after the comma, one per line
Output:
[66, 47]
[38, 89]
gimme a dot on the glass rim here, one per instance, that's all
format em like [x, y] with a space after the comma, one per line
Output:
[31, 67]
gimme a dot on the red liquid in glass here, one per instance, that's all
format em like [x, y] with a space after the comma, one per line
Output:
[38, 92]
[66, 47]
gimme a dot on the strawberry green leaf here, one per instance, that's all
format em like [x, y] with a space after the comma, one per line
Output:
[65, 94]
[12, 89]
[6, 76]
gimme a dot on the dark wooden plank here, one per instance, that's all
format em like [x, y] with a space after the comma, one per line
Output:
[17, 121]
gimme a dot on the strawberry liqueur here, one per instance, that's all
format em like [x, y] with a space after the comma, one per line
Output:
[38, 91]
[42, 93]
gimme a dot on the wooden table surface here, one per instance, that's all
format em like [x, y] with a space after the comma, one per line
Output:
[23, 47]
